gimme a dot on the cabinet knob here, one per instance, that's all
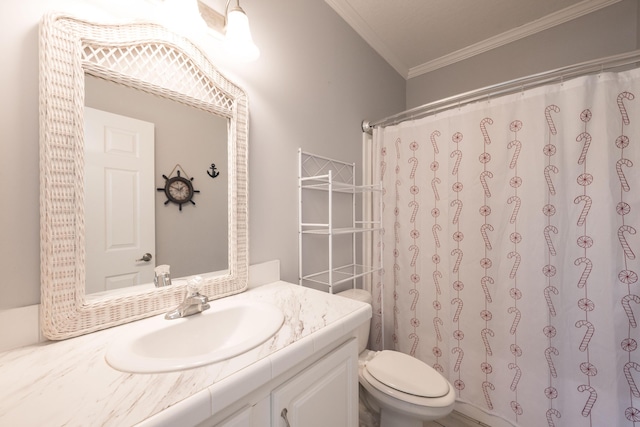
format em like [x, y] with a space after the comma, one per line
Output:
[283, 414]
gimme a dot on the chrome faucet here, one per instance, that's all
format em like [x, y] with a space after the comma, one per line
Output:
[194, 302]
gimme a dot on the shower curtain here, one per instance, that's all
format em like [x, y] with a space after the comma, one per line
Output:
[510, 250]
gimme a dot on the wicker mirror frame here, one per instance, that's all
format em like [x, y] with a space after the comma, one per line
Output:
[146, 57]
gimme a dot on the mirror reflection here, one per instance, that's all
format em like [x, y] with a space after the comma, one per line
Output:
[130, 231]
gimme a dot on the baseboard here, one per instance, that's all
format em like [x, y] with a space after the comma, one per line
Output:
[20, 327]
[478, 416]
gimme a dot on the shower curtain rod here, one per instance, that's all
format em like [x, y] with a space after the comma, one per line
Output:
[511, 86]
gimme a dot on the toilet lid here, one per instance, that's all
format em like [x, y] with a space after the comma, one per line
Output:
[407, 374]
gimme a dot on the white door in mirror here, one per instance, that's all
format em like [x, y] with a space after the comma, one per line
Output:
[226, 330]
[119, 214]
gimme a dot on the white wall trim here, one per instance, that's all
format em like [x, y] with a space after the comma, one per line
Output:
[572, 12]
[264, 273]
[344, 9]
[20, 327]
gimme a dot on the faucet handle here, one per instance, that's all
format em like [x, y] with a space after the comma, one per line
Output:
[194, 285]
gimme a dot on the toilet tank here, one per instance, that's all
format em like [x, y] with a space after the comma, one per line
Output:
[363, 331]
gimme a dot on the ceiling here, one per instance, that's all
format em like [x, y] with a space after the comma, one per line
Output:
[419, 36]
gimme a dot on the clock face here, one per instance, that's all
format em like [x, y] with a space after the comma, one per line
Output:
[178, 190]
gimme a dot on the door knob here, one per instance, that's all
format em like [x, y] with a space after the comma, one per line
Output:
[146, 257]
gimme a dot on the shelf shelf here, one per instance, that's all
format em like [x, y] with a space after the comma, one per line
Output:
[339, 231]
[340, 275]
[323, 184]
[322, 174]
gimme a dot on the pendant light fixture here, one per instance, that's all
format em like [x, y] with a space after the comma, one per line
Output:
[238, 41]
[183, 17]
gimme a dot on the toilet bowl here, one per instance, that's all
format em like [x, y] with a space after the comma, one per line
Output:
[402, 389]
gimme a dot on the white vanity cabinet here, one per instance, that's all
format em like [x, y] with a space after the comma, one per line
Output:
[325, 393]
[309, 367]
[256, 415]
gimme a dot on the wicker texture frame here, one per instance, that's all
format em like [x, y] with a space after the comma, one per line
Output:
[146, 57]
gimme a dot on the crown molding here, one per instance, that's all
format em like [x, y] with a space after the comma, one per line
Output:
[344, 9]
[353, 18]
[549, 21]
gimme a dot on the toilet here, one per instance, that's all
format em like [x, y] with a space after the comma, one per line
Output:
[402, 389]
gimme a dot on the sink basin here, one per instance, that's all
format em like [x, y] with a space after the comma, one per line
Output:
[227, 329]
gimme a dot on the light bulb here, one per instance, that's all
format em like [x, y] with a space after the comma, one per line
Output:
[238, 40]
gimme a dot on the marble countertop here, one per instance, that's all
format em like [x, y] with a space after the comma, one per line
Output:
[69, 382]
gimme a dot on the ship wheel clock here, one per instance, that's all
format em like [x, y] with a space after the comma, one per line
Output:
[178, 189]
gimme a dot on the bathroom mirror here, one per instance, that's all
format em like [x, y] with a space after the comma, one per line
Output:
[191, 239]
[154, 60]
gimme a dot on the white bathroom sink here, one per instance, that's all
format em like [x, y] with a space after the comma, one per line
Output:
[227, 329]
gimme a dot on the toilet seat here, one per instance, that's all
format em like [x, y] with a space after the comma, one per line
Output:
[393, 373]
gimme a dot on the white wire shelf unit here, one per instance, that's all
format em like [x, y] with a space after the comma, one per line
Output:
[334, 217]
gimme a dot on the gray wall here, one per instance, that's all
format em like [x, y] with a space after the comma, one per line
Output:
[606, 32]
[316, 80]
[313, 84]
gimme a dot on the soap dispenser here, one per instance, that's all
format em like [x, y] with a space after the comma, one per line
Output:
[162, 276]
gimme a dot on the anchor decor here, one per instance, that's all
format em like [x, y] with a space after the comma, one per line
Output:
[214, 173]
[178, 189]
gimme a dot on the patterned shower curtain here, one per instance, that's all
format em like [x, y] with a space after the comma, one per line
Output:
[510, 250]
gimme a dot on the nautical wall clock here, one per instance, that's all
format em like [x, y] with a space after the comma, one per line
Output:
[178, 189]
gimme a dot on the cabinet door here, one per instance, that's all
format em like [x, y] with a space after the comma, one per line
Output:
[252, 416]
[240, 419]
[325, 394]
